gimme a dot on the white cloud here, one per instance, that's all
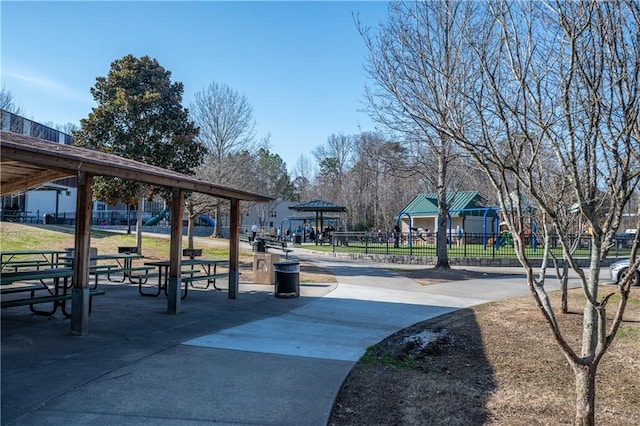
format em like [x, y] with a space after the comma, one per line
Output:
[36, 81]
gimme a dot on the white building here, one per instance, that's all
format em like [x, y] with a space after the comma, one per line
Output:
[56, 199]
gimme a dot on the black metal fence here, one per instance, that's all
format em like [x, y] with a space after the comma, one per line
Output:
[19, 216]
[468, 246]
[105, 219]
[37, 217]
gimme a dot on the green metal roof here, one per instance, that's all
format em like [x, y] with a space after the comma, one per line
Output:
[427, 204]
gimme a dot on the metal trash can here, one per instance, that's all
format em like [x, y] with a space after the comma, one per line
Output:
[297, 239]
[259, 245]
[287, 279]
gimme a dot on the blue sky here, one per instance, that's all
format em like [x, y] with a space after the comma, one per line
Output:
[300, 64]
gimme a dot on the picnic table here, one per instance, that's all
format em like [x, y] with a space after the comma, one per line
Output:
[123, 265]
[193, 270]
[20, 259]
[53, 282]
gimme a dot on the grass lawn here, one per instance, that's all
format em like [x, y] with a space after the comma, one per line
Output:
[36, 237]
[15, 236]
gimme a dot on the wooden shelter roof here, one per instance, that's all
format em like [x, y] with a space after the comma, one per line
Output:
[27, 162]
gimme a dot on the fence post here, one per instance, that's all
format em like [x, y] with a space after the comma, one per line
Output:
[386, 238]
[493, 246]
[410, 240]
[464, 245]
[366, 243]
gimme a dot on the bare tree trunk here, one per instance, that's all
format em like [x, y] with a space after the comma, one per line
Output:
[192, 213]
[564, 287]
[217, 230]
[190, 225]
[443, 212]
[563, 277]
[585, 380]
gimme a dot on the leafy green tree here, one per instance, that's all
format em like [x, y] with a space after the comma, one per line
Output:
[383, 180]
[329, 171]
[140, 117]
[272, 176]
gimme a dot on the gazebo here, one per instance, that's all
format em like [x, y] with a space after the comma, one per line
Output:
[319, 207]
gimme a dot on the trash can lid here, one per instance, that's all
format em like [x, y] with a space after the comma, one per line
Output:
[286, 263]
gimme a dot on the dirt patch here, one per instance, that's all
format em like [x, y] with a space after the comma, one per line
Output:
[491, 364]
[428, 275]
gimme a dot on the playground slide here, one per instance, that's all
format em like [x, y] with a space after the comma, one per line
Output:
[210, 222]
[154, 220]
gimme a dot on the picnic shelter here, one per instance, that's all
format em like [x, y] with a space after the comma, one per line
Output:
[27, 162]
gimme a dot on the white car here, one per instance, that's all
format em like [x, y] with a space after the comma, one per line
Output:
[618, 271]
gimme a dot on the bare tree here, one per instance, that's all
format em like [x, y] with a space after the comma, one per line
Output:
[67, 128]
[303, 178]
[545, 97]
[8, 103]
[334, 161]
[237, 170]
[412, 60]
[227, 128]
[554, 103]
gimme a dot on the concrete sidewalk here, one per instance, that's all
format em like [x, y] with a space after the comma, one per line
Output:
[255, 360]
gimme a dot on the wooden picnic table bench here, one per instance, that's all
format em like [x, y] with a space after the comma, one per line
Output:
[196, 270]
[58, 300]
[30, 264]
[8, 278]
[35, 281]
[123, 265]
[51, 257]
[209, 278]
[113, 271]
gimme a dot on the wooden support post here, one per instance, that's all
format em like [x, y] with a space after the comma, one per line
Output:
[234, 249]
[80, 290]
[175, 252]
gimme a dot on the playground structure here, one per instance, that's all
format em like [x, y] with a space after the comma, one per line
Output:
[204, 220]
[491, 231]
